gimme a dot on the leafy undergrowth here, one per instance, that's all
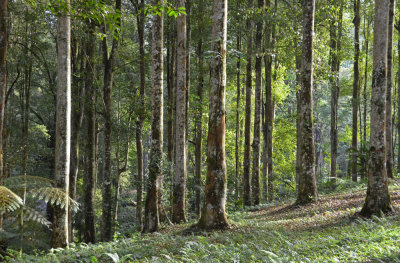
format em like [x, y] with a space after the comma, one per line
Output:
[326, 231]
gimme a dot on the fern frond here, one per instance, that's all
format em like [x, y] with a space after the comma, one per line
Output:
[9, 201]
[54, 196]
[20, 181]
[31, 214]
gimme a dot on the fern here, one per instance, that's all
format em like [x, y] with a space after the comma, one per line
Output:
[31, 214]
[54, 196]
[21, 181]
[9, 201]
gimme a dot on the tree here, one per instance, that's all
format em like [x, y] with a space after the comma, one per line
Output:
[78, 94]
[89, 177]
[213, 215]
[178, 208]
[335, 32]
[269, 106]
[59, 236]
[199, 114]
[151, 223]
[3, 76]
[389, 104]
[356, 88]
[307, 188]
[109, 61]
[249, 93]
[378, 198]
[257, 113]
[140, 20]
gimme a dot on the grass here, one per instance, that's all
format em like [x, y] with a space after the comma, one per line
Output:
[326, 231]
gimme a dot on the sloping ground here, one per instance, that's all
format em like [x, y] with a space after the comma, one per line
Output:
[326, 231]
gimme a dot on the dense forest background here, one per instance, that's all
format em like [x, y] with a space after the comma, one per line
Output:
[120, 107]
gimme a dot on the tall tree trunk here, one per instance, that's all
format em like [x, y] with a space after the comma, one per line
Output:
[364, 159]
[151, 222]
[178, 210]
[170, 103]
[356, 88]
[89, 179]
[269, 109]
[389, 122]
[120, 170]
[76, 119]
[398, 99]
[378, 198]
[334, 81]
[188, 56]
[3, 79]
[59, 237]
[140, 17]
[307, 191]
[213, 215]
[199, 118]
[247, 133]
[257, 114]
[237, 137]
[268, 96]
[109, 61]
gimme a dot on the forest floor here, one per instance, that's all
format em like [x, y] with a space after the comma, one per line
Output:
[327, 231]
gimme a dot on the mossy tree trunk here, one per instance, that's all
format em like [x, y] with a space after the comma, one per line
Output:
[140, 20]
[152, 221]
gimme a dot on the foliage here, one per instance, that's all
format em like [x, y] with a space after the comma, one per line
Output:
[324, 232]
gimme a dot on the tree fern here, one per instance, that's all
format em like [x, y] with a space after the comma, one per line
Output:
[28, 181]
[9, 201]
[54, 196]
[31, 214]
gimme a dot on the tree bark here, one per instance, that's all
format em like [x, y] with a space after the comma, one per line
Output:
[199, 118]
[89, 178]
[268, 100]
[178, 209]
[3, 76]
[257, 114]
[398, 101]
[364, 164]
[109, 61]
[78, 93]
[237, 137]
[389, 122]
[140, 19]
[269, 110]
[151, 223]
[378, 198]
[59, 237]
[249, 93]
[213, 215]
[356, 88]
[334, 79]
[307, 190]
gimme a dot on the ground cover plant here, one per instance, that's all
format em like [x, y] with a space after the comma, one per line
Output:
[327, 231]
